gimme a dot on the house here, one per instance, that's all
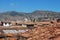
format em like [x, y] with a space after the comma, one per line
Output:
[5, 23]
[25, 24]
[58, 20]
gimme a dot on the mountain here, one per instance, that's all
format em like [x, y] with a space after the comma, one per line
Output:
[37, 15]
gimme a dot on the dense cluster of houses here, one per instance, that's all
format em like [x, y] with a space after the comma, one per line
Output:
[10, 27]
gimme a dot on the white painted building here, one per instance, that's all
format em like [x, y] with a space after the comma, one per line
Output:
[14, 31]
[6, 25]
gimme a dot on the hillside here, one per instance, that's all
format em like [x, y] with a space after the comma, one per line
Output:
[37, 15]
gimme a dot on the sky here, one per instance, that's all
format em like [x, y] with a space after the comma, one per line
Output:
[29, 5]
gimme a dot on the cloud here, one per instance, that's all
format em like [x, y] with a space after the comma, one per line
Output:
[12, 4]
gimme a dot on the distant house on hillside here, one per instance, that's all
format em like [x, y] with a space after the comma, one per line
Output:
[26, 20]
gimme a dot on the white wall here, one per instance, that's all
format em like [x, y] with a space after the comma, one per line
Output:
[6, 25]
[14, 31]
